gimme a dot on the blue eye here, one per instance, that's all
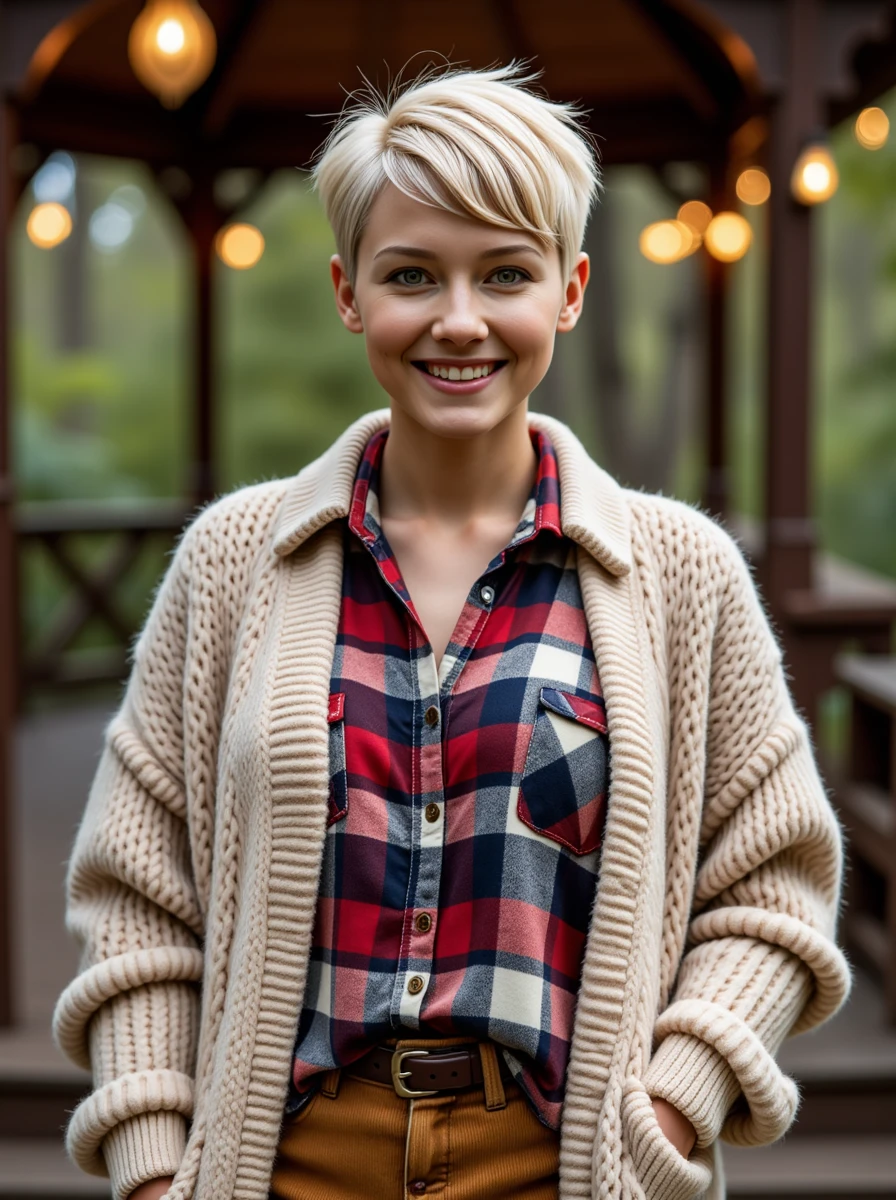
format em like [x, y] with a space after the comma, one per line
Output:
[509, 275]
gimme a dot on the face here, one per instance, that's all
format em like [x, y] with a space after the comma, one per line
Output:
[459, 316]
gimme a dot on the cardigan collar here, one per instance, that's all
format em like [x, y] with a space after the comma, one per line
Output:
[593, 511]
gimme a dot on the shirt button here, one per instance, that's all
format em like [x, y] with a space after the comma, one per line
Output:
[431, 716]
[423, 923]
[416, 984]
[432, 812]
[418, 1187]
[487, 594]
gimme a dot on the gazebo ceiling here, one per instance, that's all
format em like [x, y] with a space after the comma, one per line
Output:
[663, 79]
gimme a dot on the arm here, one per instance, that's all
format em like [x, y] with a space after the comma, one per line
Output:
[760, 960]
[132, 1012]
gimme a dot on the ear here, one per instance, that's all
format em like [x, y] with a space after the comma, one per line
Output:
[346, 304]
[575, 294]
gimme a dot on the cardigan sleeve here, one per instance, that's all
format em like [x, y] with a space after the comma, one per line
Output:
[131, 1014]
[760, 960]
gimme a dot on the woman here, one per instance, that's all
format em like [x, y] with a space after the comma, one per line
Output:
[357, 893]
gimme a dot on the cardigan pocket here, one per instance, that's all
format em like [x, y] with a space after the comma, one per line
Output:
[662, 1172]
[337, 801]
[563, 788]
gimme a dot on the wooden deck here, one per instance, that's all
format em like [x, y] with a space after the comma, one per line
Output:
[845, 1144]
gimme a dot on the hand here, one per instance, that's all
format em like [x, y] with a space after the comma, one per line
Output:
[153, 1189]
[677, 1128]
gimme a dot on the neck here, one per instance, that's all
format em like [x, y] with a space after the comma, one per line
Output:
[456, 481]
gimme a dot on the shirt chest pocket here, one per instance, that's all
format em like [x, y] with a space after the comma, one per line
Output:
[563, 789]
[337, 802]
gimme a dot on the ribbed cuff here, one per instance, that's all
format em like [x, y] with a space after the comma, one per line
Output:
[142, 1148]
[695, 1079]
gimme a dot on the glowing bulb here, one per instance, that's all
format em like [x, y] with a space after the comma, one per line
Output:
[753, 186]
[172, 48]
[872, 128]
[49, 224]
[170, 36]
[240, 246]
[696, 214]
[815, 176]
[728, 236]
[668, 241]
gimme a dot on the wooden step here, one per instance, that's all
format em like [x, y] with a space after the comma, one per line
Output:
[38, 1169]
[824, 1168]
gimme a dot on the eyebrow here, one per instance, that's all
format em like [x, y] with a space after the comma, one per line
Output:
[417, 252]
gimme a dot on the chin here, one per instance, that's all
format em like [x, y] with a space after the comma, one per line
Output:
[457, 418]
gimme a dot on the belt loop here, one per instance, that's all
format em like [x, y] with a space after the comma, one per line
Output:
[491, 1077]
[330, 1084]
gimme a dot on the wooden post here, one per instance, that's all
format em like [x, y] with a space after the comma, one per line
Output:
[790, 535]
[8, 576]
[717, 484]
[203, 221]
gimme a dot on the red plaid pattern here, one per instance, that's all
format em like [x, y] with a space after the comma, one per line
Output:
[466, 807]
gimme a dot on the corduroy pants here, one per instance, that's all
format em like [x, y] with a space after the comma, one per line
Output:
[356, 1139]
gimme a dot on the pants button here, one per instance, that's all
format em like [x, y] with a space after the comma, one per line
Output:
[418, 1187]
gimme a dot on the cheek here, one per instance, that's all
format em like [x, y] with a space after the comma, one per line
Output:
[530, 332]
[390, 330]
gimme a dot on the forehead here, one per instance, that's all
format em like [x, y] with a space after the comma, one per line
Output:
[397, 218]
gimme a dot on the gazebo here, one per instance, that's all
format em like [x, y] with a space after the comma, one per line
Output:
[718, 83]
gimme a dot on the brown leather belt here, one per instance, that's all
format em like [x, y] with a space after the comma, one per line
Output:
[424, 1072]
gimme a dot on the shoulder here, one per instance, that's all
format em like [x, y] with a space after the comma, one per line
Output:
[682, 537]
[235, 522]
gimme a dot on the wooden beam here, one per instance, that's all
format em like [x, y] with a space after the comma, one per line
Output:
[209, 109]
[8, 577]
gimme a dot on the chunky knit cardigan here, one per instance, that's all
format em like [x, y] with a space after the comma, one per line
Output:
[193, 879]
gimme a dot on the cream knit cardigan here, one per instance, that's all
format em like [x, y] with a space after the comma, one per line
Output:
[194, 875]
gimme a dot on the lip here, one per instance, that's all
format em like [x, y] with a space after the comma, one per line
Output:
[461, 387]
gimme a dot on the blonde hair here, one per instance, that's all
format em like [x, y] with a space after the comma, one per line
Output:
[476, 143]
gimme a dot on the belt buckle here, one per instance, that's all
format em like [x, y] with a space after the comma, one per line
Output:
[398, 1057]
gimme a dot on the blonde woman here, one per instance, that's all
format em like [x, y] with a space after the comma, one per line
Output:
[456, 833]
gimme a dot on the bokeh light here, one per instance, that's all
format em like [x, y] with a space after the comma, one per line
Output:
[668, 241]
[49, 224]
[172, 48]
[815, 176]
[872, 128]
[696, 214]
[728, 236]
[753, 186]
[240, 246]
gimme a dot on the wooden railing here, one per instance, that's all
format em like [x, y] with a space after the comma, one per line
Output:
[867, 803]
[93, 591]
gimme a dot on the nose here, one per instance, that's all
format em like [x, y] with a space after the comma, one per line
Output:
[459, 320]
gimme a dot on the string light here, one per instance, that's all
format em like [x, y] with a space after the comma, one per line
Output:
[172, 47]
[240, 246]
[49, 224]
[668, 241]
[696, 214]
[753, 186]
[815, 177]
[872, 128]
[728, 236]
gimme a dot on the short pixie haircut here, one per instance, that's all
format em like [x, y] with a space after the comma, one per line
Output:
[476, 143]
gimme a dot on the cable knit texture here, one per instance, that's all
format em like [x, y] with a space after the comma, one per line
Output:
[193, 880]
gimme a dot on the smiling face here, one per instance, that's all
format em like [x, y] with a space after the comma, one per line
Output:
[459, 316]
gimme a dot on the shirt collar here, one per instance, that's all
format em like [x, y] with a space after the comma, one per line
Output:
[593, 511]
[541, 511]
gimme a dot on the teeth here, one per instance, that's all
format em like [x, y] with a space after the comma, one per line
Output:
[457, 374]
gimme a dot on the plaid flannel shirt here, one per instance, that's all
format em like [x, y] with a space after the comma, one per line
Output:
[466, 807]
